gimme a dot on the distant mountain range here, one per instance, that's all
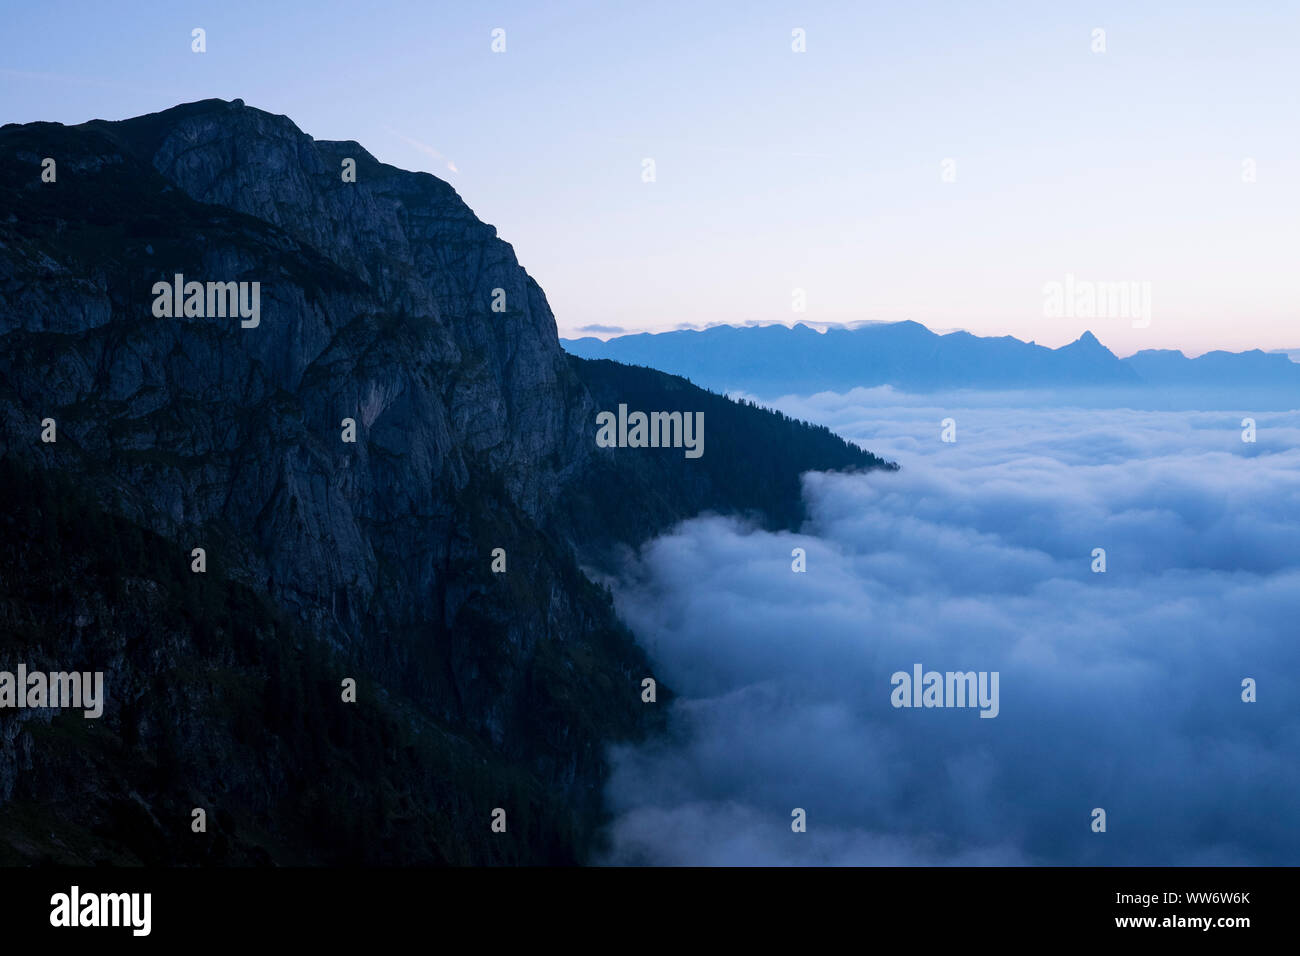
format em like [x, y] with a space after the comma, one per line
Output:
[776, 359]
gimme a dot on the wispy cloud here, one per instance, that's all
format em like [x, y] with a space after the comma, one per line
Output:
[431, 151]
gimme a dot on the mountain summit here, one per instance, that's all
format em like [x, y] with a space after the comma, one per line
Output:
[280, 419]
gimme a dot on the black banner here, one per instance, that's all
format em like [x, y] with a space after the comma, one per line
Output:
[200, 906]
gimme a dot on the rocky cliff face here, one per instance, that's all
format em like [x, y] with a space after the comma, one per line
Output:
[474, 432]
[417, 247]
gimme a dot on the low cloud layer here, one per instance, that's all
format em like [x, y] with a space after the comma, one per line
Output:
[1119, 690]
[608, 329]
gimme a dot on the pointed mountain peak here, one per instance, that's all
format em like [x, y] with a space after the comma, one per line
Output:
[1087, 342]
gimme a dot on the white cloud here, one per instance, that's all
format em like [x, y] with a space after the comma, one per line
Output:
[1119, 690]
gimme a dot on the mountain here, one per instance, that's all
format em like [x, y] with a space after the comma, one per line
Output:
[179, 426]
[776, 360]
[1166, 367]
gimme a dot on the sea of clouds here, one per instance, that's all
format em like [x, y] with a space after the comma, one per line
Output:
[1120, 690]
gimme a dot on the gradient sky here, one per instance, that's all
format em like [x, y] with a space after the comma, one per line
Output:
[778, 170]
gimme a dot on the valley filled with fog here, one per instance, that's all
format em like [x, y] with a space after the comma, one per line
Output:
[1119, 690]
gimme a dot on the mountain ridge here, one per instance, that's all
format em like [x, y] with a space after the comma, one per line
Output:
[371, 559]
[798, 359]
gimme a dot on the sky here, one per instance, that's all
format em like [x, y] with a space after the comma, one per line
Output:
[1118, 689]
[774, 171]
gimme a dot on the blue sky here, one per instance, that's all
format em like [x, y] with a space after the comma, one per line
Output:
[778, 170]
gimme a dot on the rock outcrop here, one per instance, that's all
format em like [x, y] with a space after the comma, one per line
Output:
[372, 558]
